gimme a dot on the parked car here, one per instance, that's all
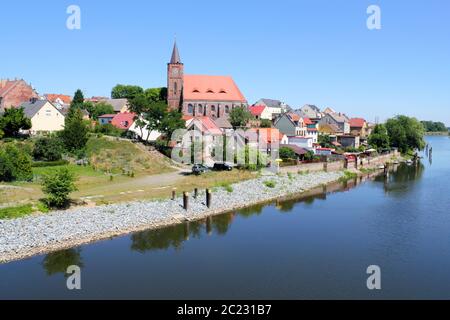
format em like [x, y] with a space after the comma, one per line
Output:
[198, 169]
[222, 166]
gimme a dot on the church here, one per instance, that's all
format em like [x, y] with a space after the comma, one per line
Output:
[201, 95]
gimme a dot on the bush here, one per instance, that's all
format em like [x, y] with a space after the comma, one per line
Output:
[109, 130]
[48, 149]
[270, 184]
[287, 153]
[15, 164]
[57, 186]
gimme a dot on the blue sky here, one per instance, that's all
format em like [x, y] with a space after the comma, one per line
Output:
[317, 51]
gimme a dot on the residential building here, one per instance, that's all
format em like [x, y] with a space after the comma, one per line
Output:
[261, 112]
[311, 111]
[274, 107]
[59, 100]
[123, 120]
[302, 142]
[119, 105]
[291, 124]
[201, 95]
[329, 110]
[337, 119]
[266, 139]
[143, 133]
[328, 129]
[45, 117]
[359, 127]
[15, 92]
[347, 141]
[106, 118]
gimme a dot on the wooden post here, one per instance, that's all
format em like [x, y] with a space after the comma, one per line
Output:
[325, 166]
[346, 163]
[186, 200]
[356, 162]
[174, 194]
[209, 226]
[195, 193]
[208, 198]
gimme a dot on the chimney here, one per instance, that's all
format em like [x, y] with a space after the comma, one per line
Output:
[33, 100]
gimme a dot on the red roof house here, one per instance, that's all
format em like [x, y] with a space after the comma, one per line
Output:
[123, 120]
[256, 111]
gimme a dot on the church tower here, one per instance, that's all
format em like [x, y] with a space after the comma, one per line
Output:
[175, 74]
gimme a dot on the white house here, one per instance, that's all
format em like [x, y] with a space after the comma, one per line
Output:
[302, 142]
[143, 133]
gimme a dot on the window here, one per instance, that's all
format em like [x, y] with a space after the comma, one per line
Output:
[200, 109]
[227, 109]
[48, 113]
[222, 91]
[175, 88]
[195, 91]
[213, 108]
[190, 109]
[209, 91]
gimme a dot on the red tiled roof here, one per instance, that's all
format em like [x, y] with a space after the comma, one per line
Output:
[123, 120]
[307, 121]
[256, 110]
[266, 134]
[357, 122]
[206, 124]
[64, 98]
[201, 87]
[294, 117]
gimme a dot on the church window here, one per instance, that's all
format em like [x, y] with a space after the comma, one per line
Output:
[175, 87]
[227, 109]
[209, 91]
[190, 109]
[222, 91]
[200, 109]
[213, 108]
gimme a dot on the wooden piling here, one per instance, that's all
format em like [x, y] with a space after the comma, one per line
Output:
[208, 198]
[195, 193]
[186, 200]
[174, 194]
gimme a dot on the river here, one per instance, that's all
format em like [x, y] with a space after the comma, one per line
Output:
[308, 248]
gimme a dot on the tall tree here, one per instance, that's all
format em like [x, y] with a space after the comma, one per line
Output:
[14, 120]
[78, 99]
[75, 133]
[405, 133]
[379, 138]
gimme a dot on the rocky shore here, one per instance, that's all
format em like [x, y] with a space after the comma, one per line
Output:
[32, 235]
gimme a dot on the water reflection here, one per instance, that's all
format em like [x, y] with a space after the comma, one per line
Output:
[58, 262]
[175, 236]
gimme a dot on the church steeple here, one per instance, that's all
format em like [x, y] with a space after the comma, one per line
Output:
[175, 55]
[175, 77]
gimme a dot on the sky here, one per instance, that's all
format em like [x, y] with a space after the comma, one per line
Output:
[301, 52]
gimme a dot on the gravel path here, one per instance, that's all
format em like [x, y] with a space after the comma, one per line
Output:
[38, 234]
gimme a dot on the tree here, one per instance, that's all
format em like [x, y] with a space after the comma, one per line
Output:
[121, 91]
[99, 109]
[48, 149]
[431, 126]
[405, 133]
[239, 117]
[57, 186]
[154, 116]
[15, 164]
[78, 99]
[379, 138]
[325, 141]
[287, 153]
[75, 133]
[266, 123]
[172, 121]
[14, 120]
[156, 94]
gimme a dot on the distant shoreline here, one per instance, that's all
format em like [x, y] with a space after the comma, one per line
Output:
[440, 133]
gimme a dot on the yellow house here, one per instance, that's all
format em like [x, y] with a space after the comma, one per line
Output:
[45, 117]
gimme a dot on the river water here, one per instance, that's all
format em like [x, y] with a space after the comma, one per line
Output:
[309, 248]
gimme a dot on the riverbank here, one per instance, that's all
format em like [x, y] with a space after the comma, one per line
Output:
[32, 235]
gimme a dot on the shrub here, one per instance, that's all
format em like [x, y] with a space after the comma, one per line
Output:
[16, 212]
[48, 149]
[15, 164]
[270, 184]
[42, 164]
[226, 186]
[287, 153]
[109, 130]
[57, 186]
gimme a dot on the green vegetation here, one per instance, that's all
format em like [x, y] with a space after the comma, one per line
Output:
[266, 123]
[15, 164]
[57, 186]
[251, 158]
[270, 184]
[348, 175]
[16, 212]
[98, 109]
[325, 141]
[431, 126]
[108, 130]
[225, 185]
[239, 117]
[405, 133]
[121, 91]
[287, 153]
[12, 121]
[303, 173]
[75, 133]
[48, 149]
[379, 139]
[290, 176]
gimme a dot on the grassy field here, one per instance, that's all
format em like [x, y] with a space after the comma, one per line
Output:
[108, 178]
